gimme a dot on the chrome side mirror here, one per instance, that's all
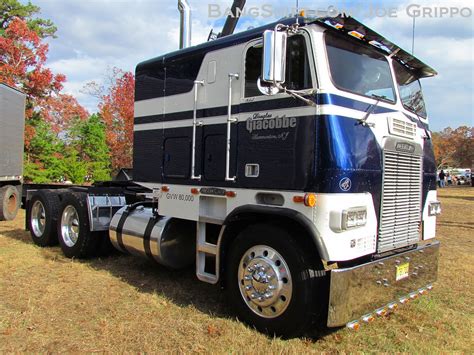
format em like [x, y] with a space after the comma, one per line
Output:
[266, 88]
[274, 57]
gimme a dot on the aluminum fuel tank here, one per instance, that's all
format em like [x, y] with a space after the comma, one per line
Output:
[169, 241]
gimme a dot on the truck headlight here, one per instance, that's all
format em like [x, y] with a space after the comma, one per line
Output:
[434, 208]
[354, 217]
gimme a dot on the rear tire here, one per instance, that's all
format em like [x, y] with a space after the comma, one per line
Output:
[9, 202]
[74, 234]
[43, 218]
[273, 282]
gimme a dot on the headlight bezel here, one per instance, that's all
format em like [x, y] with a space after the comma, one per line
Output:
[354, 217]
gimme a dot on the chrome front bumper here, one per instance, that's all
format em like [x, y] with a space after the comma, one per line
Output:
[360, 290]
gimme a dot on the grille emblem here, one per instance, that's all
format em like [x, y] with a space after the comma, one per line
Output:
[405, 147]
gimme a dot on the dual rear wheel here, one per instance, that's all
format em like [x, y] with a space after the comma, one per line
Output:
[62, 217]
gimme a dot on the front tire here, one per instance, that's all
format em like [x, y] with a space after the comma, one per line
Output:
[273, 282]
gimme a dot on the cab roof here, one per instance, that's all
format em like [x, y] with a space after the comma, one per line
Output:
[341, 24]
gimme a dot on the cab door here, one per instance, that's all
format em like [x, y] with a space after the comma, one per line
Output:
[218, 116]
[277, 133]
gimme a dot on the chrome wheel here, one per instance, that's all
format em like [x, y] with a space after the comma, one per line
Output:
[265, 281]
[38, 219]
[70, 226]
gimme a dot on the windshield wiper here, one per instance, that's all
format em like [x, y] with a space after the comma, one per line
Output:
[370, 110]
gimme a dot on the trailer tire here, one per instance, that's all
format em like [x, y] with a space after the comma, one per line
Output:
[273, 282]
[9, 202]
[74, 234]
[42, 217]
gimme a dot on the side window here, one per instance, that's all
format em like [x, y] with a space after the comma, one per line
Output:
[298, 73]
[253, 69]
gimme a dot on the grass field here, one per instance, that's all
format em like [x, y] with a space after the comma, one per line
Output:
[122, 303]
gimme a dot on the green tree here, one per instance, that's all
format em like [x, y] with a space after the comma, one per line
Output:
[10, 9]
[89, 139]
[74, 168]
[44, 163]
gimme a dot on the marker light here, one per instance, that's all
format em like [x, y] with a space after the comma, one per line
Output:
[356, 34]
[404, 300]
[392, 306]
[195, 191]
[230, 194]
[381, 312]
[310, 200]
[369, 318]
[355, 325]
[165, 188]
[298, 199]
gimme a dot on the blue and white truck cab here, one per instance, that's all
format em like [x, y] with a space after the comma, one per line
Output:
[291, 163]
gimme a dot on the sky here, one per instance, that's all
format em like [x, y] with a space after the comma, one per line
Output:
[96, 35]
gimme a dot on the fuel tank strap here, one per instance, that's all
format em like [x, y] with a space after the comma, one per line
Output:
[119, 230]
[147, 237]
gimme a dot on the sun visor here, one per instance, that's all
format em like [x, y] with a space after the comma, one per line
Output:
[351, 27]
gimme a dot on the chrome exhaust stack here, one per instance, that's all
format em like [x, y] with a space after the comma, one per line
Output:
[184, 24]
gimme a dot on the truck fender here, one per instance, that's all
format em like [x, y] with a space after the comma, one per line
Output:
[242, 216]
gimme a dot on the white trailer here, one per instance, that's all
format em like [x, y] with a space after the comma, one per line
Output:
[12, 122]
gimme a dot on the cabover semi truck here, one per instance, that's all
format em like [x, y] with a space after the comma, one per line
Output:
[12, 121]
[292, 164]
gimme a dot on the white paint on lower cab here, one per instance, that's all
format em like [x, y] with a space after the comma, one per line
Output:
[429, 222]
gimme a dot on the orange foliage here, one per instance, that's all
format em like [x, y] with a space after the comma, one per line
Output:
[116, 109]
[22, 65]
[22, 59]
[454, 147]
[60, 110]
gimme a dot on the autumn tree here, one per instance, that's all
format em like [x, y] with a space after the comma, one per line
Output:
[22, 62]
[116, 110]
[454, 147]
[61, 110]
[49, 112]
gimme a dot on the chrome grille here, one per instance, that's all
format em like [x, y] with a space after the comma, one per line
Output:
[401, 201]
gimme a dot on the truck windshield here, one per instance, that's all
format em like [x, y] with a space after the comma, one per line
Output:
[410, 90]
[358, 68]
